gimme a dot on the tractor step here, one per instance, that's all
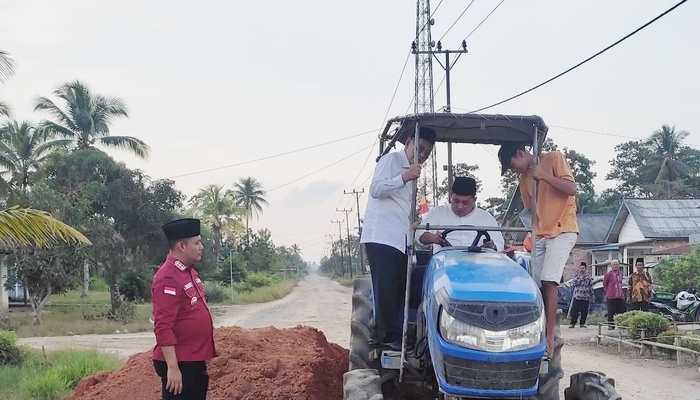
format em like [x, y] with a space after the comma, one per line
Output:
[391, 359]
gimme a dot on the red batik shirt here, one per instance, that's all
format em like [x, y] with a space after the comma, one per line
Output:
[180, 313]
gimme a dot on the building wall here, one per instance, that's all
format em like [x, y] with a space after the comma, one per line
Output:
[630, 231]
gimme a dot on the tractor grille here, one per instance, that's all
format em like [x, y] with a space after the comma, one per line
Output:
[494, 316]
[516, 375]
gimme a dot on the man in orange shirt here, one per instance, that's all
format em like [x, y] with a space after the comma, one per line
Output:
[555, 229]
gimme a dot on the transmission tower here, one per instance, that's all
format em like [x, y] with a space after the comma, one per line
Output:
[423, 101]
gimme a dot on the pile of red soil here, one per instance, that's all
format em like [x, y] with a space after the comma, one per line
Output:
[259, 364]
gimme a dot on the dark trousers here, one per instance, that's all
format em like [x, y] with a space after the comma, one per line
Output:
[615, 306]
[195, 381]
[579, 308]
[640, 305]
[388, 268]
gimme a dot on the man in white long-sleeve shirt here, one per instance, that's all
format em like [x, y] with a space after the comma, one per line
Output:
[462, 210]
[385, 233]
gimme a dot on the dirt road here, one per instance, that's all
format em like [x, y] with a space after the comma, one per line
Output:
[325, 305]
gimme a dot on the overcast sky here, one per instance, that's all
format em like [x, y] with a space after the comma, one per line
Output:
[212, 83]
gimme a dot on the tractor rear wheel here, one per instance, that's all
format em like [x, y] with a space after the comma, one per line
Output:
[591, 386]
[362, 384]
[360, 328]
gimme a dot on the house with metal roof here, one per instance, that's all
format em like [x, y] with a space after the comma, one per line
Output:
[593, 230]
[650, 230]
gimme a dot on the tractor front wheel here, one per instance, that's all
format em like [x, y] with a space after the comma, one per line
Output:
[591, 386]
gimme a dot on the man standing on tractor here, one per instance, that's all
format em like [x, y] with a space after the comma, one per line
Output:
[385, 234]
[462, 210]
[555, 229]
[182, 322]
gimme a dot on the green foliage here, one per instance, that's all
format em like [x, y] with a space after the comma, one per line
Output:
[98, 284]
[679, 274]
[635, 321]
[661, 166]
[73, 366]
[460, 169]
[47, 385]
[688, 340]
[9, 352]
[216, 293]
[135, 286]
[260, 279]
[336, 265]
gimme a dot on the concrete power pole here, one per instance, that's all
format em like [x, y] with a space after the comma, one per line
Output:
[4, 298]
[359, 224]
[347, 226]
[340, 237]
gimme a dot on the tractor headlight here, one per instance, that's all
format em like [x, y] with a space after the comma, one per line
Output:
[520, 338]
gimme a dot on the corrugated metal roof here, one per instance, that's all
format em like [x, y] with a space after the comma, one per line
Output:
[593, 228]
[665, 218]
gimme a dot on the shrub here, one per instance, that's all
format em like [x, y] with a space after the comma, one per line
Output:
[260, 279]
[9, 352]
[134, 286]
[215, 292]
[242, 287]
[98, 284]
[635, 321]
[49, 385]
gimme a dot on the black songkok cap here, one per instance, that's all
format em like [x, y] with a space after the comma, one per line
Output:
[464, 186]
[181, 229]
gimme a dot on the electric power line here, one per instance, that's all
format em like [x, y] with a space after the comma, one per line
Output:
[457, 20]
[483, 20]
[524, 92]
[319, 169]
[273, 155]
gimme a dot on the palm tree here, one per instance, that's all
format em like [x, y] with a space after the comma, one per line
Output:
[218, 209]
[84, 117]
[7, 68]
[666, 146]
[23, 148]
[249, 194]
[21, 227]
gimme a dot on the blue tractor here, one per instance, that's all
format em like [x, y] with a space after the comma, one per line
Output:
[474, 325]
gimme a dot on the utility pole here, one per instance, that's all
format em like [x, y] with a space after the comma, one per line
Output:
[447, 66]
[340, 237]
[347, 226]
[359, 225]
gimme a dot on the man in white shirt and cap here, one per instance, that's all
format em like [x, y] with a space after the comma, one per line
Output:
[461, 210]
[385, 233]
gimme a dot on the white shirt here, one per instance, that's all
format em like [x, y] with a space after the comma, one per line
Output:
[443, 215]
[388, 211]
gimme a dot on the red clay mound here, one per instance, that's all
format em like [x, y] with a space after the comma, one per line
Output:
[255, 364]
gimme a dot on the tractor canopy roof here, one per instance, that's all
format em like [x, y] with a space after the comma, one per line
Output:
[469, 128]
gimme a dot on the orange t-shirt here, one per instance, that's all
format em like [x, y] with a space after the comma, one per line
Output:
[556, 211]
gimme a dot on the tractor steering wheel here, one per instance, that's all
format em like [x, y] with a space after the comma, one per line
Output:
[475, 243]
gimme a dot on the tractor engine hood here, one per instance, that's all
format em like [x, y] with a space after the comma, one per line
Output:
[487, 290]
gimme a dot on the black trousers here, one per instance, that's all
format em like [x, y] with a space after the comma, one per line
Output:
[640, 305]
[579, 308]
[615, 306]
[195, 381]
[388, 268]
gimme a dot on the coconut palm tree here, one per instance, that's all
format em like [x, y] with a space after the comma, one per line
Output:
[249, 194]
[7, 68]
[21, 227]
[84, 117]
[218, 209]
[23, 148]
[667, 148]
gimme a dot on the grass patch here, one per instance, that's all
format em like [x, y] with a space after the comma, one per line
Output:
[263, 294]
[53, 376]
[72, 297]
[65, 321]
